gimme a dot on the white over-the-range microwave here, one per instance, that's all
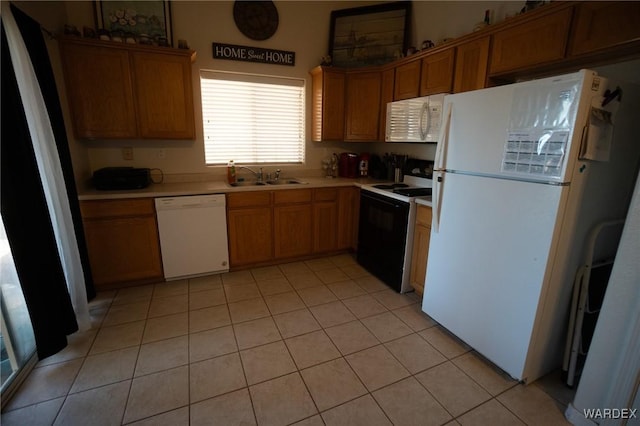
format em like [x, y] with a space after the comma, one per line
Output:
[414, 120]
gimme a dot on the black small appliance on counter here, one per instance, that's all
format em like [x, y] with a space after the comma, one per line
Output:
[115, 178]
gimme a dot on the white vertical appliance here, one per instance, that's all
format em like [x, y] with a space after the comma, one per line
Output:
[522, 173]
[193, 235]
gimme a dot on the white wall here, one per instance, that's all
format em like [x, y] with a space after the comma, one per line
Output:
[303, 28]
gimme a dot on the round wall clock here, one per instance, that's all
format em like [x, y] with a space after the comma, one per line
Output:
[258, 20]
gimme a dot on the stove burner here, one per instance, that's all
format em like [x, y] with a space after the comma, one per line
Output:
[413, 192]
[391, 186]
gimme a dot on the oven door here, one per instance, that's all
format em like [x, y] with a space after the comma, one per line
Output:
[382, 237]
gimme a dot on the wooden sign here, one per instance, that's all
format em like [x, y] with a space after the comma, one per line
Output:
[253, 54]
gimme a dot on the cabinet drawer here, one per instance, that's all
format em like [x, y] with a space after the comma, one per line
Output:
[117, 208]
[249, 199]
[329, 194]
[292, 196]
[423, 215]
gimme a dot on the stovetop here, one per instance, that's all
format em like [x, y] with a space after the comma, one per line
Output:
[411, 187]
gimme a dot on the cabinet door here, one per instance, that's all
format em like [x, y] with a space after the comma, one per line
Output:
[386, 96]
[328, 88]
[250, 235]
[362, 106]
[420, 253]
[292, 230]
[600, 25]
[437, 73]
[325, 227]
[421, 236]
[471, 65]
[124, 249]
[407, 81]
[99, 91]
[164, 95]
[535, 42]
[348, 208]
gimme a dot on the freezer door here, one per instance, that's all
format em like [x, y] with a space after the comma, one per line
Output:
[488, 261]
[523, 131]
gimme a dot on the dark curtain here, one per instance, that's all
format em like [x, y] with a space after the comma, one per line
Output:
[23, 204]
[32, 35]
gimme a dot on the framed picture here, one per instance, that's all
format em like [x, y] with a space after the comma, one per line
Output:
[369, 35]
[150, 18]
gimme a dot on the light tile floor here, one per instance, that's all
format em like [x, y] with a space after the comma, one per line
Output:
[308, 343]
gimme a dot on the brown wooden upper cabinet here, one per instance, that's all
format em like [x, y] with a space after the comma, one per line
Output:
[362, 106]
[437, 73]
[163, 95]
[538, 41]
[407, 81]
[118, 90]
[471, 65]
[328, 93]
[602, 25]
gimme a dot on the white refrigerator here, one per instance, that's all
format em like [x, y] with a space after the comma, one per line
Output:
[522, 173]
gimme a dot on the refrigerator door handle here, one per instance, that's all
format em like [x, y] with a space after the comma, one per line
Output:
[438, 182]
[441, 149]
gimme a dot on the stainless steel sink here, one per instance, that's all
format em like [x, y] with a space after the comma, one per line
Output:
[284, 182]
[247, 183]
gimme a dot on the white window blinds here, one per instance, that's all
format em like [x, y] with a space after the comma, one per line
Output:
[252, 119]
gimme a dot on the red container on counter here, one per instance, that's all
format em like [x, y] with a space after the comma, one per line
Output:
[348, 165]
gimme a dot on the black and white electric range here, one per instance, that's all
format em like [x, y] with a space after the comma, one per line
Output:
[385, 237]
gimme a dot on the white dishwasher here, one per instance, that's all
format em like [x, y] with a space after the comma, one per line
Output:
[193, 235]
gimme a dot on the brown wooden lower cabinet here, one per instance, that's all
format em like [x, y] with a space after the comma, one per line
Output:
[325, 220]
[292, 231]
[122, 241]
[249, 225]
[269, 226]
[421, 237]
[348, 211]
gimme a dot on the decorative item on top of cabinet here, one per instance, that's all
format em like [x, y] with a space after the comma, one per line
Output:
[471, 65]
[127, 91]
[600, 25]
[122, 241]
[419, 257]
[138, 18]
[362, 106]
[538, 41]
[327, 114]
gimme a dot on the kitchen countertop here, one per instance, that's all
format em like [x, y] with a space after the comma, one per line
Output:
[424, 201]
[215, 187]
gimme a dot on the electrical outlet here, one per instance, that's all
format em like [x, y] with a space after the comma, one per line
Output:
[127, 153]
[162, 153]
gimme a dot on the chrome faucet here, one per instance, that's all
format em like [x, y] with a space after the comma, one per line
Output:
[257, 174]
[277, 172]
